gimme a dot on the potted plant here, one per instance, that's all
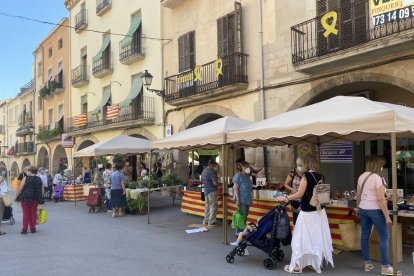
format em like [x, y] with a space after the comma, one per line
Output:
[132, 206]
[140, 205]
[44, 92]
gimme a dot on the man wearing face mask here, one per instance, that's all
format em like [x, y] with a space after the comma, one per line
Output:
[243, 189]
[210, 184]
[252, 172]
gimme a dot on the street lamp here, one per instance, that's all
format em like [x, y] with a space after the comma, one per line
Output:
[147, 81]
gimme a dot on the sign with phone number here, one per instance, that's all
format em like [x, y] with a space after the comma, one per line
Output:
[400, 14]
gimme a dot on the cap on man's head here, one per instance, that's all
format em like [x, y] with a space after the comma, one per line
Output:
[212, 162]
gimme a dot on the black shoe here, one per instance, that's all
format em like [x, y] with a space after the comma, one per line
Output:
[23, 232]
[33, 231]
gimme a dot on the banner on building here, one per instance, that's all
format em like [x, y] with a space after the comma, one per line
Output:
[386, 11]
[68, 141]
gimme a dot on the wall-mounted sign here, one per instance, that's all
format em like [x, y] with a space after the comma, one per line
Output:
[340, 152]
[207, 152]
[385, 11]
[68, 141]
[168, 130]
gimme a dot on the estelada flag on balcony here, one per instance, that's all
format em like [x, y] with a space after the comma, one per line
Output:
[112, 111]
[81, 120]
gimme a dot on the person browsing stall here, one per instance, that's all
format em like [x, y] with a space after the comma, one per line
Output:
[292, 184]
[210, 184]
[243, 189]
[118, 199]
[373, 210]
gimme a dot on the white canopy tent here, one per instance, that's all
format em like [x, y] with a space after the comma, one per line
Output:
[338, 118]
[118, 145]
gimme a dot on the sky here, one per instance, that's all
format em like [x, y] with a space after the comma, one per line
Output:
[19, 38]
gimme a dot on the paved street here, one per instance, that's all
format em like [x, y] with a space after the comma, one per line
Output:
[74, 242]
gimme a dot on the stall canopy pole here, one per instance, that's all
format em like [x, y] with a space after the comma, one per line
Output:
[149, 186]
[224, 158]
[192, 165]
[394, 200]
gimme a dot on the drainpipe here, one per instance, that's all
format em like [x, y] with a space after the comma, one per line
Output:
[261, 64]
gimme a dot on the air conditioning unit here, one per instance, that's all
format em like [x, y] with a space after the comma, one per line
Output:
[366, 94]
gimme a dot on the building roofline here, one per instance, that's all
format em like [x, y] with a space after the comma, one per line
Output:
[50, 33]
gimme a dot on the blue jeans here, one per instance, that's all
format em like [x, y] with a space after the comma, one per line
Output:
[377, 218]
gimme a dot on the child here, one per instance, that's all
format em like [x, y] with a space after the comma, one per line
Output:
[249, 228]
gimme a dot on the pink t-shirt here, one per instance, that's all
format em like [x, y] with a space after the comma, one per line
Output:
[369, 200]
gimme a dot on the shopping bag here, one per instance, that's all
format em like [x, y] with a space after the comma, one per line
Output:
[8, 199]
[238, 221]
[41, 215]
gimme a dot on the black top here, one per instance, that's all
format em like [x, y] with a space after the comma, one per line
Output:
[21, 176]
[32, 190]
[305, 206]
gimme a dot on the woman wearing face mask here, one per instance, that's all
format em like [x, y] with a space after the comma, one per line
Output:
[243, 189]
[373, 211]
[292, 183]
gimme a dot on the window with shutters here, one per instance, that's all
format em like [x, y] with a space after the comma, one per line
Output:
[186, 51]
[84, 104]
[229, 32]
[351, 24]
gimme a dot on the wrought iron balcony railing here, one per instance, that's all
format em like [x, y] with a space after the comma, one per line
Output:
[219, 73]
[25, 148]
[308, 40]
[130, 52]
[143, 110]
[80, 76]
[102, 66]
[27, 87]
[81, 20]
[102, 6]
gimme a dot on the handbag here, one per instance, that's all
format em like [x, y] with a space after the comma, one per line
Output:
[357, 218]
[7, 199]
[321, 194]
[238, 221]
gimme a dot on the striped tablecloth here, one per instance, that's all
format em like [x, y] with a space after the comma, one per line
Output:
[73, 192]
[192, 204]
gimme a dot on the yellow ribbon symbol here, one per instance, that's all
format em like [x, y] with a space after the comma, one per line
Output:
[218, 66]
[197, 73]
[329, 27]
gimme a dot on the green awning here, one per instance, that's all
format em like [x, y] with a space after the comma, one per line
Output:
[105, 43]
[135, 22]
[106, 95]
[136, 88]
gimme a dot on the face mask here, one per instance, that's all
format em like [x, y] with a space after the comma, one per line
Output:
[382, 168]
[247, 170]
[299, 168]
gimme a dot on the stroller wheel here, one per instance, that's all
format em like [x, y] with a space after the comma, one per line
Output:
[240, 251]
[278, 254]
[269, 263]
[230, 259]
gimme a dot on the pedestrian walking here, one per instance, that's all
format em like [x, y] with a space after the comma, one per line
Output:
[30, 194]
[118, 199]
[3, 191]
[243, 189]
[311, 240]
[210, 184]
[373, 210]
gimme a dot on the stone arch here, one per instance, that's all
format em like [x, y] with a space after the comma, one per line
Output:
[26, 163]
[14, 170]
[336, 81]
[59, 159]
[43, 158]
[141, 133]
[202, 111]
[86, 138]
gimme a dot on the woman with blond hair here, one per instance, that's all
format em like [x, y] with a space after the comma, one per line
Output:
[311, 240]
[373, 210]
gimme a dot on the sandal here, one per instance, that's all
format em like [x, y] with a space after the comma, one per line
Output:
[287, 269]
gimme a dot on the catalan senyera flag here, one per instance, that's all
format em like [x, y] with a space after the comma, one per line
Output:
[81, 120]
[112, 111]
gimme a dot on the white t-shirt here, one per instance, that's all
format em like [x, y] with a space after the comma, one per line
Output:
[369, 200]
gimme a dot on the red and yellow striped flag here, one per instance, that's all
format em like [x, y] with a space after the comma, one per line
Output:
[81, 120]
[112, 111]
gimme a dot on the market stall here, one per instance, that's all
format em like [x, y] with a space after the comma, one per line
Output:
[337, 119]
[74, 193]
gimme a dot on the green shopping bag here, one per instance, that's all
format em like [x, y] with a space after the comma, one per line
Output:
[238, 221]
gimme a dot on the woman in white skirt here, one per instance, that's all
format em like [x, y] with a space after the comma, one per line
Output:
[311, 241]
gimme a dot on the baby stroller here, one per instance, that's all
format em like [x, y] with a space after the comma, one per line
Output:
[58, 193]
[8, 215]
[265, 237]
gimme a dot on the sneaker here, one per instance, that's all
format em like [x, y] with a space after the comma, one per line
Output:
[33, 230]
[234, 243]
[368, 267]
[389, 271]
[205, 223]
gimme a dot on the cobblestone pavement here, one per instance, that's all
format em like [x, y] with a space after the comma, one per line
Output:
[75, 242]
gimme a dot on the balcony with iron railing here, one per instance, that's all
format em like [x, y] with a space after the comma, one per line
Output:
[357, 41]
[81, 21]
[80, 76]
[31, 85]
[50, 132]
[134, 115]
[218, 79]
[102, 6]
[132, 51]
[103, 66]
[25, 148]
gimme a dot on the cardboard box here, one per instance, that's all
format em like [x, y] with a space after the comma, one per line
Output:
[374, 245]
[407, 230]
[400, 193]
[339, 202]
